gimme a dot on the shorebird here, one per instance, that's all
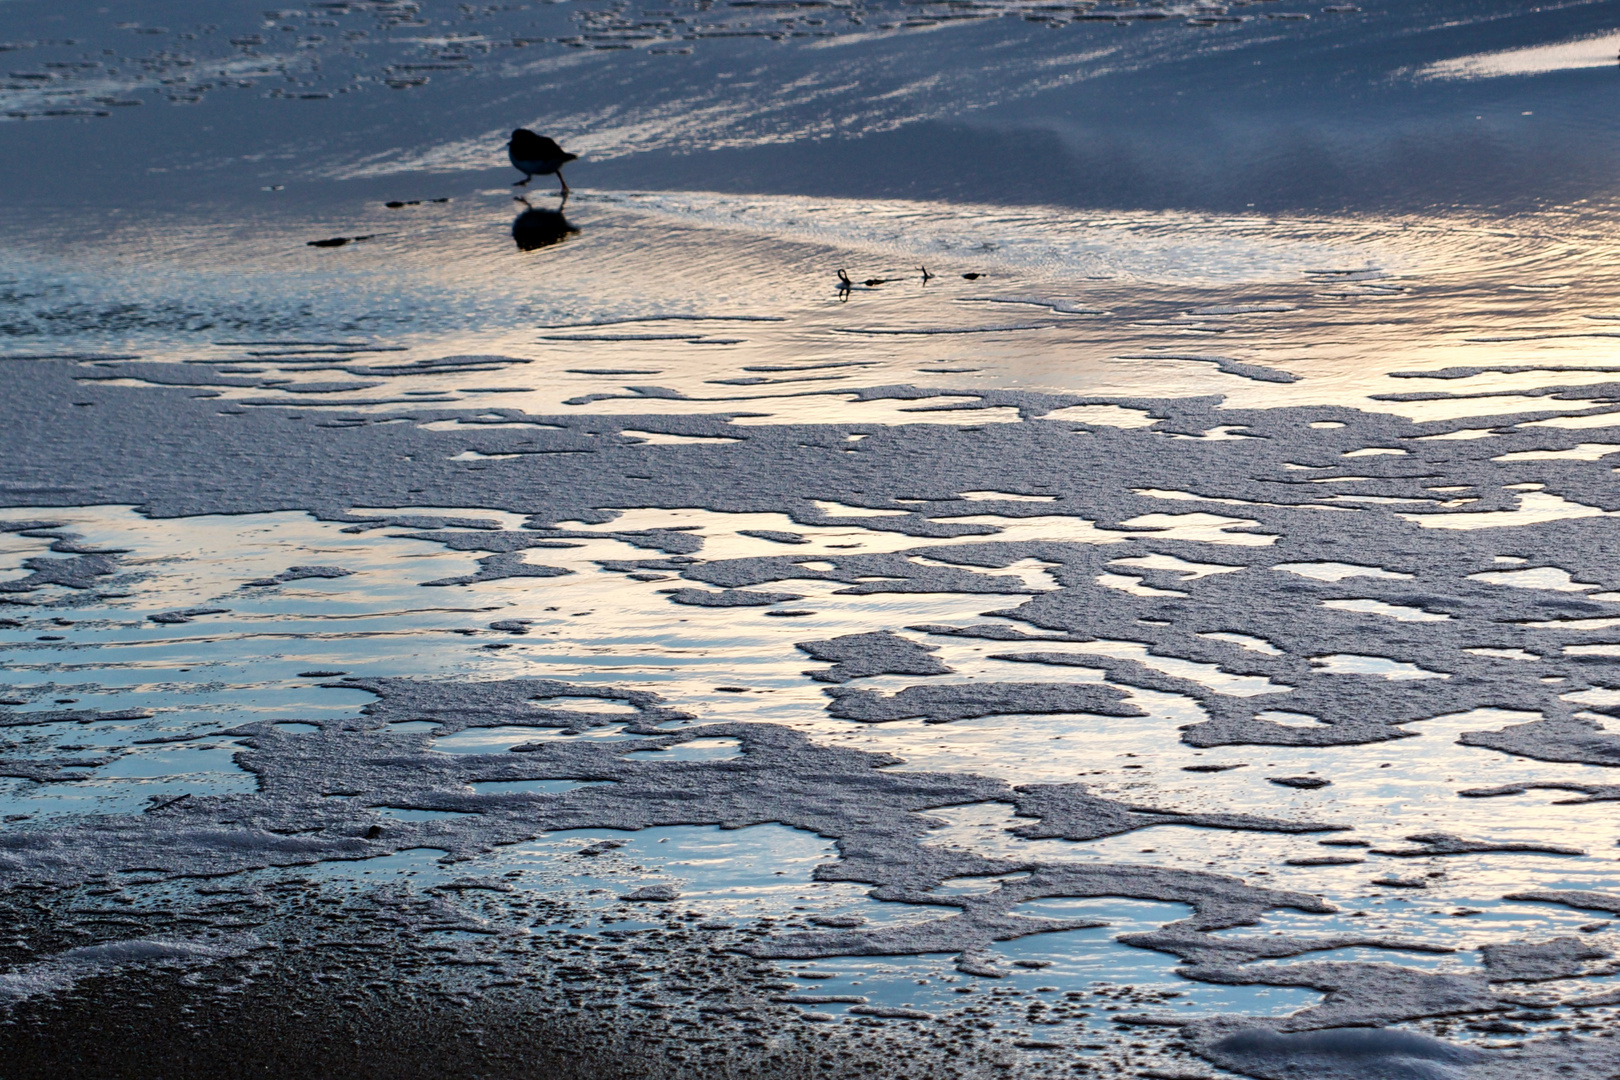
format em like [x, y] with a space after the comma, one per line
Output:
[537, 155]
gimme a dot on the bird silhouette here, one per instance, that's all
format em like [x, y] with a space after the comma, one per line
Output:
[536, 155]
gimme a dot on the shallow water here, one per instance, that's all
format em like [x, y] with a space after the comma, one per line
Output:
[1149, 233]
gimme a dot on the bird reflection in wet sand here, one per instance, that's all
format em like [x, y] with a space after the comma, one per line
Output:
[536, 155]
[535, 228]
[846, 286]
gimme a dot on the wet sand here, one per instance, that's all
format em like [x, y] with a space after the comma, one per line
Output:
[1168, 638]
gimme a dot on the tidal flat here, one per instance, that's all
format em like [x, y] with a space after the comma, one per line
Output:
[631, 634]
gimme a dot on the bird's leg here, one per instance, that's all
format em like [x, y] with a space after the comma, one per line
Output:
[563, 182]
[525, 181]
